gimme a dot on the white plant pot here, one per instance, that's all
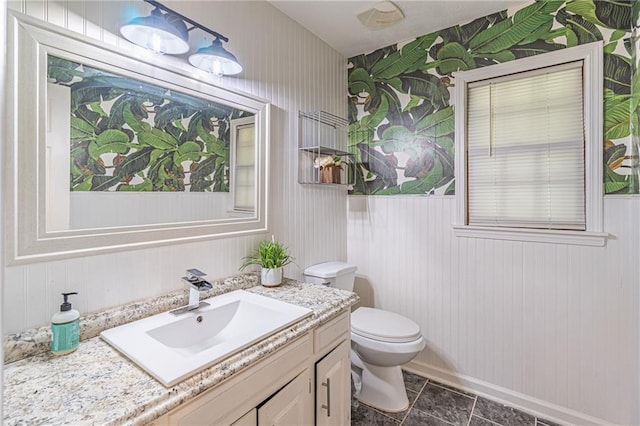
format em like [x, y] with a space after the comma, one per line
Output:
[271, 277]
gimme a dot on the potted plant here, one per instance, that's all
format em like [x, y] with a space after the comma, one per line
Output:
[272, 256]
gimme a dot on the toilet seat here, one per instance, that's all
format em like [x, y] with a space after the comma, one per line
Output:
[384, 326]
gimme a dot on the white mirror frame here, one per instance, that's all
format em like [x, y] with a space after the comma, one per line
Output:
[27, 240]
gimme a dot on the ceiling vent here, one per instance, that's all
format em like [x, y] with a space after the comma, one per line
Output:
[382, 15]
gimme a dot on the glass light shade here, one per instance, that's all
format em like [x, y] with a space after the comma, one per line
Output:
[161, 33]
[215, 59]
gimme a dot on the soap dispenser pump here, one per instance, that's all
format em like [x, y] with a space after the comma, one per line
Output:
[65, 328]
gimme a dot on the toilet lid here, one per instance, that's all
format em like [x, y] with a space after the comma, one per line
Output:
[384, 326]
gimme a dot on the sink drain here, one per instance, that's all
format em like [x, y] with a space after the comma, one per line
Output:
[199, 319]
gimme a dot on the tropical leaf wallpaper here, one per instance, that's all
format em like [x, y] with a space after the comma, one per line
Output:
[400, 96]
[127, 135]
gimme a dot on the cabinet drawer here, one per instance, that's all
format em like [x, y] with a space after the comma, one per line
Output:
[336, 329]
[225, 403]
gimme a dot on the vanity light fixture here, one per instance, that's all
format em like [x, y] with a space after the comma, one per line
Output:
[215, 59]
[159, 32]
[165, 31]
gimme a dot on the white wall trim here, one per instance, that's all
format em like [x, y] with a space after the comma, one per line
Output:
[534, 406]
[554, 236]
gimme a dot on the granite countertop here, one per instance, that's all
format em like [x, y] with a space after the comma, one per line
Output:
[97, 385]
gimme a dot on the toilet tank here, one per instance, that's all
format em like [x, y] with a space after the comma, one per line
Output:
[334, 274]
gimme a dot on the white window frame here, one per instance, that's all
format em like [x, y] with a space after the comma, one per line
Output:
[591, 56]
[235, 125]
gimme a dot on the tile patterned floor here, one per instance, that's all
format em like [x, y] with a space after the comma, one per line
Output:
[435, 404]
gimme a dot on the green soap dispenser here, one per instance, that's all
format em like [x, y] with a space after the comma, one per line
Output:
[65, 328]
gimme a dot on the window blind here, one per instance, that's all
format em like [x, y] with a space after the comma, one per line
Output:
[525, 150]
[245, 168]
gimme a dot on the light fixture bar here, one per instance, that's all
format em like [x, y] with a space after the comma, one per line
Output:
[165, 31]
[185, 19]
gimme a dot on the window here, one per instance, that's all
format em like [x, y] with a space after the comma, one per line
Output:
[243, 161]
[529, 149]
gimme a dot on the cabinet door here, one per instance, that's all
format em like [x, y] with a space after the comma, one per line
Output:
[248, 419]
[291, 406]
[333, 387]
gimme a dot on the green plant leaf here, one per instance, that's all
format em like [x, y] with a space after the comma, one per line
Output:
[451, 189]
[615, 14]
[440, 123]
[551, 35]
[572, 38]
[616, 115]
[81, 130]
[617, 35]
[60, 70]
[214, 145]
[488, 35]
[395, 114]
[145, 186]
[95, 150]
[414, 101]
[103, 183]
[609, 47]
[135, 122]
[205, 169]
[407, 60]
[269, 254]
[360, 81]
[584, 8]
[454, 57]
[372, 121]
[134, 163]
[614, 154]
[463, 33]
[507, 33]
[541, 33]
[170, 112]
[377, 164]
[583, 30]
[85, 185]
[613, 182]
[398, 138]
[188, 151]
[504, 56]
[426, 86]
[111, 136]
[97, 108]
[423, 185]
[617, 73]
[158, 139]
[614, 187]
[446, 146]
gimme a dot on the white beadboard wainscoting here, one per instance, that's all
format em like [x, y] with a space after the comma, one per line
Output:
[551, 328]
[283, 63]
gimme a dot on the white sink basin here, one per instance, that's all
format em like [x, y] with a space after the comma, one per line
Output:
[174, 347]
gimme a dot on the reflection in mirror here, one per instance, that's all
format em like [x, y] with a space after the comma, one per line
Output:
[124, 152]
[112, 151]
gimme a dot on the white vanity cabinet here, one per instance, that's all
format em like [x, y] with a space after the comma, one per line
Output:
[292, 405]
[333, 387]
[282, 388]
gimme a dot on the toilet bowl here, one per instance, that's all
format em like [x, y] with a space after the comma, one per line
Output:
[381, 341]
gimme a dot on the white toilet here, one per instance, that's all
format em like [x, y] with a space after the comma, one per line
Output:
[381, 342]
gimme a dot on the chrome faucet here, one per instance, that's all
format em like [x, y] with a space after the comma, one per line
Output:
[195, 283]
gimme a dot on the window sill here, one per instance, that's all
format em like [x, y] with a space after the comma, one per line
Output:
[581, 238]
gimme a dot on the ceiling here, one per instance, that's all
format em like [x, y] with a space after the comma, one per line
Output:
[336, 23]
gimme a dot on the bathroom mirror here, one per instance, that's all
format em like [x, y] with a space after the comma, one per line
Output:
[108, 151]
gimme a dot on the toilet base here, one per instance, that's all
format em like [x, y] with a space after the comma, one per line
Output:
[380, 387]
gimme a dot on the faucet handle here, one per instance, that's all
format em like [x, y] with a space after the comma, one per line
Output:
[194, 275]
